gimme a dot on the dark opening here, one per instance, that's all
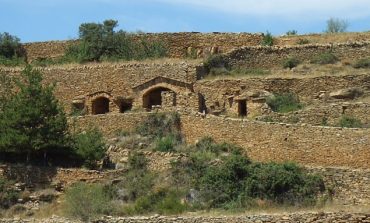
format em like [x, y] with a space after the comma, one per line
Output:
[202, 104]
[100, 106]
[125, 105]
[242, 108]
[153, 98]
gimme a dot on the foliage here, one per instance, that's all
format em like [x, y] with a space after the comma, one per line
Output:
[8, 195]
[325, 58]
[100, 42]
[291, 32]
[90, 147]
[164, 201]
[11, 52]
[216, 61]
[283, 103]
[159, 125]
[349, 122]
[301, 41]
[335, 25]
[268, 39]
[282, 183]
[291, 62]
[166, 144]
[362, 63]
[32, 119]
[87, 201]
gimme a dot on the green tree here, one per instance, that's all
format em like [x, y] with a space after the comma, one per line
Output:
[32, 119]
[9, 45]
[335, 25]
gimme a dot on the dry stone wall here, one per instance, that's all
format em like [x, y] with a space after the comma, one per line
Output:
[274, 56]
[118, 80]
[308, 145]
[305, 144]
[219, 92]
[314, 217]
[179, 45]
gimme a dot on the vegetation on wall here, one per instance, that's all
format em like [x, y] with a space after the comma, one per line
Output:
[100, 42]
[349, 122]
[291, 62]
[268, 39]
[325, 58]
[285, 102]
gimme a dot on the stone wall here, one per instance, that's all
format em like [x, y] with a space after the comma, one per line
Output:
[330, 114]
[179, 44]
[274, 56]
[223, 92]
[315, 217]
[120, 81]
[307, 145]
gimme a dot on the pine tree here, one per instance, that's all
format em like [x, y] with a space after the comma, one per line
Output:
[32, 120]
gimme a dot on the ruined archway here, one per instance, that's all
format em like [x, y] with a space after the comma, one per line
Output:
[159, 96]
[100, 105]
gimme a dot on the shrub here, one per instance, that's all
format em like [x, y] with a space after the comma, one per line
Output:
[100, 42]
[166, 144]
[283, 103]
[349, 122]
[335, 25]
[362, 63]
[268, 39]
[159, 125]
[217, 61]
[283, 183]
[10, 46]
[87, 201]
[301, 41]
[8, 196]
[90, 146]
[325, 58]
[291, 62]
[291, 32]
[164, 201]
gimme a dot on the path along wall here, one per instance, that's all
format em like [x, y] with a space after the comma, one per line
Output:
[274, 56]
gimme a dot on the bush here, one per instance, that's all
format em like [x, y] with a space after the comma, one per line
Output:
[349, 122]
[362, 63]
[166, 144]
[90, 146]
[159, 125]
[8, 195]
[88, 201]
[100, 42]
[268, 39]
[291, 33]
[283, 103]
[217, 61]
[283, 183]
[325, 58]
[10, 46]
[302, 41]
[291, 62]
[335, 25]
[164, 201]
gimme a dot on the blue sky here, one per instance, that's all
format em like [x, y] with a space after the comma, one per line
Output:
[41, 20]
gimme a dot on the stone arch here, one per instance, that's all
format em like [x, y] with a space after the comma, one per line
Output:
[100, 105]
[160, 95]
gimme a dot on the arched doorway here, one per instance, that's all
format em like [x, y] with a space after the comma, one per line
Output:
[100, 106]
[161, 96]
